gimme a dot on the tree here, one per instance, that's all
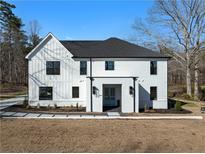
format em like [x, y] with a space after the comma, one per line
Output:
[184, 23]
[13, 43]
[34, 29]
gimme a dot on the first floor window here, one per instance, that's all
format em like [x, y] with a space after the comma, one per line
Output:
[75, 92]
[153, 67]
[45, 93]
[53, 67]
[153, 93]
[109, 65]
[83, 67]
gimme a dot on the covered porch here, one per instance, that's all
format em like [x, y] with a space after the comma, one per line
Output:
[117, 94]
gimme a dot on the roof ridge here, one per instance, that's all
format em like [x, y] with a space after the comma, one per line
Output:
[81, 40]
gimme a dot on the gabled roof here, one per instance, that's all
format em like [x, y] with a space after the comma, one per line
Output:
[45, 39]
[110, 48]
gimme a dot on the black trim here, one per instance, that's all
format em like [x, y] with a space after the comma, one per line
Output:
[134, 79]
[91, 87]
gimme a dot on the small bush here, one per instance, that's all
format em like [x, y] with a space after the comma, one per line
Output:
[25, 103]
[202, 94]
[178, 106]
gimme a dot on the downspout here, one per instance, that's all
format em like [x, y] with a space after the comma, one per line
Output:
[91, 87]
[134, 78]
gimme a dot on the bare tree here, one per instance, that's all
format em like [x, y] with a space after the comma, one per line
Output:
[34, 29]
[183, 23]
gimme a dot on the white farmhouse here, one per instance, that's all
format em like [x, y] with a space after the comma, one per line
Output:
[112, 74]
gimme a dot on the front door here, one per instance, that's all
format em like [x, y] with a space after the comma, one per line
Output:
[109, 96]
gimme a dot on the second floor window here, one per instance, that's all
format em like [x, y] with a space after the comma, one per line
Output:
[53, 67]
[83, 67]
[153, 67]
[109, 65]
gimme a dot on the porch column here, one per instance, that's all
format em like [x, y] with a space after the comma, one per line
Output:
[135, 95]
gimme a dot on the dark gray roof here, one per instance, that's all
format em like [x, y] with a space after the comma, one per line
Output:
[110, 48]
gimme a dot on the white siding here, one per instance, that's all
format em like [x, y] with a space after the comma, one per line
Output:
[62, 84]
[138, 68]
[53, 50]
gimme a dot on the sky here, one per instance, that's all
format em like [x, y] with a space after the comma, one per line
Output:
[83, 20]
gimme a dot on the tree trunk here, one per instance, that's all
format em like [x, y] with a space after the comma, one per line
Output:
[188, 74]
[196, 81]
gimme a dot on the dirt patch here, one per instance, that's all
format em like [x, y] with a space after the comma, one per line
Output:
[102, 135]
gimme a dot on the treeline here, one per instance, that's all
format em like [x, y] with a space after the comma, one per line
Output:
[177, 28]
[15, 43]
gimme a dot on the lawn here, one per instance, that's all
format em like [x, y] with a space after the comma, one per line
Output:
[102, 135]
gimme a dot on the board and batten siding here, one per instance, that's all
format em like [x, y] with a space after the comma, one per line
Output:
[53, 50]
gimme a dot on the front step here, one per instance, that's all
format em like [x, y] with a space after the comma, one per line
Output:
[113, 114]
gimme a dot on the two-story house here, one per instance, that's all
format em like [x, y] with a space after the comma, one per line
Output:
[98, 75]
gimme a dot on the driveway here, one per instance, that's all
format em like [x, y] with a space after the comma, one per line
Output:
[12, 101]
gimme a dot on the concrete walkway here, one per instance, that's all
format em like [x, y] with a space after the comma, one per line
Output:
[108, 116]
[12, 101]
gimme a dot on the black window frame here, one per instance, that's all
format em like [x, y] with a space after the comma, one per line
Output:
[83, 67]
[153, 93]
[153, 67]
[52, 67]
[41, 97]
[109, 65]
[74, 95]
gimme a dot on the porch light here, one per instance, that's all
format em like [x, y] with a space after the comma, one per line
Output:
[95, 89]
[131, 90]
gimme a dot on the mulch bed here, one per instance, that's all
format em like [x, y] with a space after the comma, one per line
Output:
[58, 110]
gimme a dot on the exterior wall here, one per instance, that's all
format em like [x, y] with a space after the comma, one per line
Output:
[126, 99]
[138, 68]
[62, 84]
[70, 76]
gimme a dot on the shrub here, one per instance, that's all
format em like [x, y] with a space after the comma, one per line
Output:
[202, 94]
[178, 106]
[25, 103]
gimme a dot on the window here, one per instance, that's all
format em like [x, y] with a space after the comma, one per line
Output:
[109, 65]
[53, 67]
[153, 93]
[83, 67]
[153, 67]
[75, 92]
[45, 93]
